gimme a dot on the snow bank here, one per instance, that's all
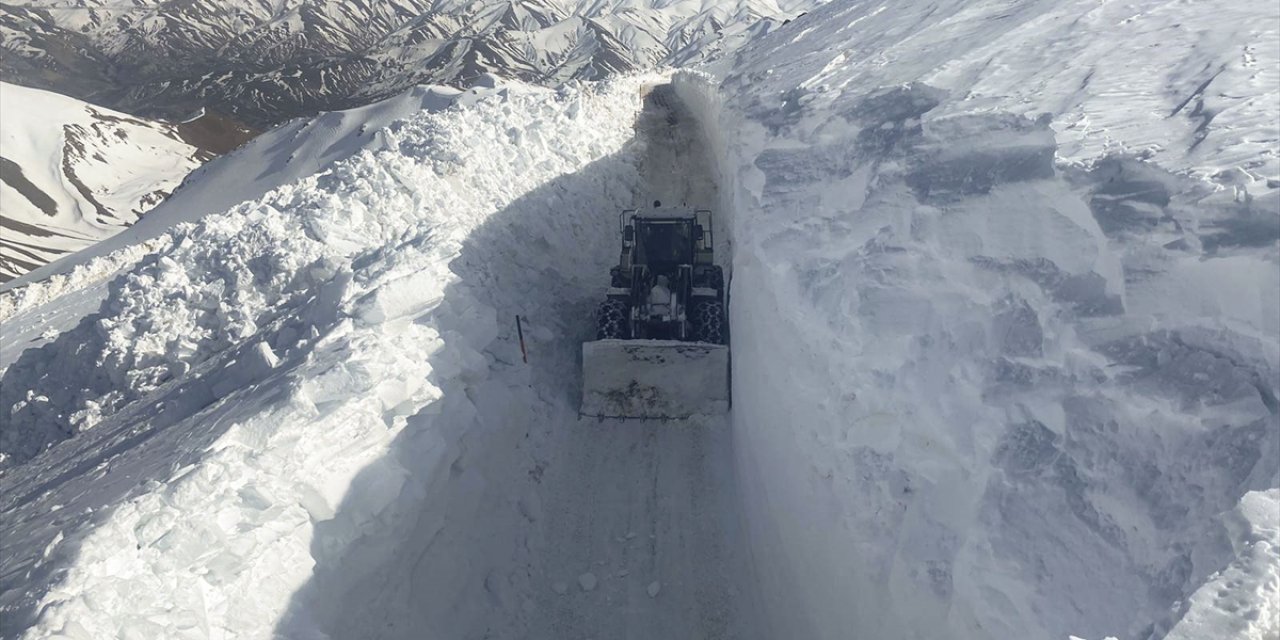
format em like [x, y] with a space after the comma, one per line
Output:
[172, 458]
[1005, 344]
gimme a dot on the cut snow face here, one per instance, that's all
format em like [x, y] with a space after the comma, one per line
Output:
[308, 416]
[1006, 365]
[72, 173]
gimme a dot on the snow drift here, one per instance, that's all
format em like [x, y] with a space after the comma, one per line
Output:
[1005, 342]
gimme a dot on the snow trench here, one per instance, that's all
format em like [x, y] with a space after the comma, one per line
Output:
[309, 416]
[540, 523]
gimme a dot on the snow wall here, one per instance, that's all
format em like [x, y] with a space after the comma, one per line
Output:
[1004, 346]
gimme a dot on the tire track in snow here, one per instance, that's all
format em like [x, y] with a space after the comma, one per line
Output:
[639, 505]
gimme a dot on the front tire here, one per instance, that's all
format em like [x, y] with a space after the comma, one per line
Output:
[611, 320]
[709, 323]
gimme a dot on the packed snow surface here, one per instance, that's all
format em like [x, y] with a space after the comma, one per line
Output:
[1005, 297]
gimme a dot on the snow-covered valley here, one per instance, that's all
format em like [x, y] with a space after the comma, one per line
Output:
[1006, 341]
[74, 173]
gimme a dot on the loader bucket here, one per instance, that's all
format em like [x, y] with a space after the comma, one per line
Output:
[654, 379]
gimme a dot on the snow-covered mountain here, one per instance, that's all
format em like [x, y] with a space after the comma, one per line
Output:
[75, 173]
[268, 61]
[1005, 311]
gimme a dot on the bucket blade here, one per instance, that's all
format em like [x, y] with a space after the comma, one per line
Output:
[654, 379]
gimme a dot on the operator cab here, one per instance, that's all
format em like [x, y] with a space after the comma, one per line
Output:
[665, 239]
[665, 244]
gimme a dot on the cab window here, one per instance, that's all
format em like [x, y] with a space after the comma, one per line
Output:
[667, 242]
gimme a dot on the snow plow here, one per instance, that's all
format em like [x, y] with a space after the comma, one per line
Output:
[661, 334]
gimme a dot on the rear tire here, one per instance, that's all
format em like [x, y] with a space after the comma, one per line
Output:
[611, 320]
[709, 323]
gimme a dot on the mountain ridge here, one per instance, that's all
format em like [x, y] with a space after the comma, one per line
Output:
[265, 63]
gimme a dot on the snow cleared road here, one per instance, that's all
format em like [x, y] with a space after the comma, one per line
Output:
[640, 517]
[557, 526]
[642, 534]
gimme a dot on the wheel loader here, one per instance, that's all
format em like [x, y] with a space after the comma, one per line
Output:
[661, 349]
